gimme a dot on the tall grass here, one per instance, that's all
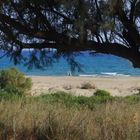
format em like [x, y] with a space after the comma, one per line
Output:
[50, 118]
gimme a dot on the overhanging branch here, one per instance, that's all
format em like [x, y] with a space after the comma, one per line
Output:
[105, 48]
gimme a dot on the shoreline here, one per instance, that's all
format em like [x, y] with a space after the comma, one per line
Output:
[85, 75]
[116, 85]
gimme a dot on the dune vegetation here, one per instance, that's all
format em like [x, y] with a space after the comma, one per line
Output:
[61, 116]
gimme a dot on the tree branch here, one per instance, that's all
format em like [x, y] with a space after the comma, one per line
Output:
[132, 11]
[105, 48]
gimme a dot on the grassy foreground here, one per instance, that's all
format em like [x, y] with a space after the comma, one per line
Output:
[64, 117]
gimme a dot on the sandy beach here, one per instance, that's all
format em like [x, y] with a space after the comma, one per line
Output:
[117, 86]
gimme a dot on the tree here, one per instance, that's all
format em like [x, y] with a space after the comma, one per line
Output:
[64, 27]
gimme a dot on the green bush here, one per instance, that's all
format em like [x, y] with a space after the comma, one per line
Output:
[13, 81]
[132, 98]
[74, 101]
[102, 93]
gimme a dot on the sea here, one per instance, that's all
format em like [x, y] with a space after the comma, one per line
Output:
[91, 65]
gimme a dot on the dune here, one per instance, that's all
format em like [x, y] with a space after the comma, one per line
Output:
[117, 86]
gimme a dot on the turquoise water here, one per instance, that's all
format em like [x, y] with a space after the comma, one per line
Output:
[92, 65]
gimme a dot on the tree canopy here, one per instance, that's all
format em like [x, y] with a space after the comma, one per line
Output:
[65, 27]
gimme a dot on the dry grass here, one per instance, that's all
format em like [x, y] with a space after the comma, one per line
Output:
[87, 85]
[31, 119]
[67, 87]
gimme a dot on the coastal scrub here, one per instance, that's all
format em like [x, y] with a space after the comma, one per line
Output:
[13, 81]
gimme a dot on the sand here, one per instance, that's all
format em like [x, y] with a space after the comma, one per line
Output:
[117, 86]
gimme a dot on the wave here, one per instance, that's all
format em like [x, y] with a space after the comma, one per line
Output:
[88, 75]
[109, 73]
[114, 74]
[105, 74]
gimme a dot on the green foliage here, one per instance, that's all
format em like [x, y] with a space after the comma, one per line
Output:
[102, 93]
[5, 96]
[74, 101]
[13, 81]
[132, 99]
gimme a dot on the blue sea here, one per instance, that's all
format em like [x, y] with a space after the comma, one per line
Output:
[92, 65]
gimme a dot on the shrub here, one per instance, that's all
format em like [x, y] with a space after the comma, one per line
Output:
[13, 81]
[69, 100]
[132, 98]
[87, 85]
[101, 93]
